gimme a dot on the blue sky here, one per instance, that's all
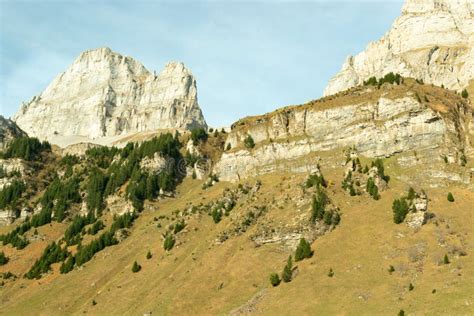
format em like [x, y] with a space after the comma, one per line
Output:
[249, 57]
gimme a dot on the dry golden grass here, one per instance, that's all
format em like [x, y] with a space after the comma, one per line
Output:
[198, 277]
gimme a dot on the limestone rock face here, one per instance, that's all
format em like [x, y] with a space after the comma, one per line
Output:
[106, 94]
[8, 131]
[377, 125]
[432, 40]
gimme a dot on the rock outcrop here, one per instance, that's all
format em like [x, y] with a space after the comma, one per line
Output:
[432, 40]
[8, 131]
[395, 119]
[105, 94]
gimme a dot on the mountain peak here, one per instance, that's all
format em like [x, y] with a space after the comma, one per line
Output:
[431, 40]
[104, 93]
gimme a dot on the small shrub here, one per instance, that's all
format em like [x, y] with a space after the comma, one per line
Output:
[148, 255]
[229, 146]
[274, 279]
[249, 142]
[401, 313]
[391, 269]
[330, 273]
[464, 94]
[136, 267]
[450, 197]
[411, 287]
[198, 135]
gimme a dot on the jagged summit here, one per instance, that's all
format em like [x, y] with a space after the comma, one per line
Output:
[105, 94]
[432, 40]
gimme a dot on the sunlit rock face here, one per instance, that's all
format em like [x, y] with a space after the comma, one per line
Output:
[432, 40]
[106, 94]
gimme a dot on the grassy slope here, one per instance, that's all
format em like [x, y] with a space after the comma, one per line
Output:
[198, 277]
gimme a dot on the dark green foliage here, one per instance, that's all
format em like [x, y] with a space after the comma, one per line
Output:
[400, 210]
[15, 236]
[450, 197]
[330, 273]
[95, 190]
[389, 78]
[148, 255]
[401, 313]
[316, 181]
[94, 303]
[249, 142]
[179, 226]
[10, 194]
[411, 194]
[58, 197]
[372, 189]
[216, 215]
[136, 267]
[426, 99]
[320, 201]
[411, 287]
[52, 254]
[86, 253]
[101, 156]
[228, 147]
[303, 250]
[446, 259]
[3, 259]
[69, 160]
[72, 233]
[67, 265]
[96, 227]
[27, 148]
[124, 221]
[287, 274]
[464, 94]
[391, 269]
[380, 169]
[275, 279]
[198, 135]
[463, 159]
[168, 244]
[191, 159]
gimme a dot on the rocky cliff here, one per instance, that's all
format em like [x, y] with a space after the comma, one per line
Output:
[8, 131]
[106, 94]
[432, 40]
[410, 119]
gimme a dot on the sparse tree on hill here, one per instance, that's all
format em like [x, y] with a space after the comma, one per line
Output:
[274, 279]
[288, 270]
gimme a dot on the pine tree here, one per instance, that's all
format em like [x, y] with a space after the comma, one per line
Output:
[288, 270]
[411, 287]
[330, 273]
[136, 267]
[3, 259]
[446, 259]
[169, 242]
[450, 197]
[464, 94]
[148, 255]
[249, 142]
[401, 313]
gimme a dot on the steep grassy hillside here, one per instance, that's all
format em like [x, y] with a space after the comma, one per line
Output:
[203, 276]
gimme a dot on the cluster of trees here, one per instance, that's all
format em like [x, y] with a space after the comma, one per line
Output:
[389, 78]
[72, 233]
[15, 237]
[249, 142]
[198, 135]
[303, 250]
[27, 148]
[286, 275]
[101, 156]
[400, 207]
[10, 194]
[58, 197]
[96, 227]
[316, 181]
[52, 254]
[378, 163]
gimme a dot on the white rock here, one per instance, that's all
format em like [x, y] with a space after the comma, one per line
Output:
[104, 94]
[432, 40]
